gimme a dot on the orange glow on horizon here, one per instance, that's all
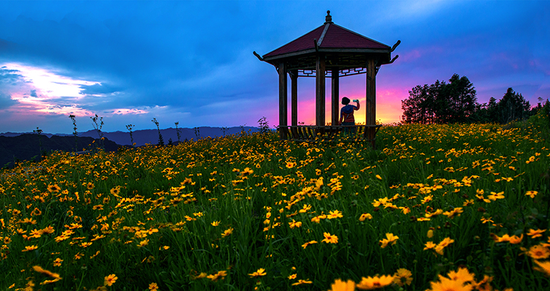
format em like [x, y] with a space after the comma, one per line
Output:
[388, 107]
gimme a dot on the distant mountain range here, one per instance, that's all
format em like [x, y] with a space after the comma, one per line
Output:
[151, 136]
[25, 146]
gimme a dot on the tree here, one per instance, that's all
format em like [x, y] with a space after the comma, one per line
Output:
[413, 107]
[461, 97]
[441, 102]
[512, 107]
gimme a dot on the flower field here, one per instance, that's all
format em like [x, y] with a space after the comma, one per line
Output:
[439, 207]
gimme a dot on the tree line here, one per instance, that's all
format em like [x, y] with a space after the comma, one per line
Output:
[456, 102]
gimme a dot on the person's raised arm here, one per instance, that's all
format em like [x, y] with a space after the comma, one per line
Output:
[357, 102]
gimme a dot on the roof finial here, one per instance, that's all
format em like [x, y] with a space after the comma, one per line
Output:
[328, 18]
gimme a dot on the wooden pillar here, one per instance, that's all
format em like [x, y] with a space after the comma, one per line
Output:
[283, 99]
[335, 96]
[320, 91]
[294, 97]
[371, 100]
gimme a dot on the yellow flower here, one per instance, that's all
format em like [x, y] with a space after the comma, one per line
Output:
[29, 248]
[86, 244]
[340, 285]
[35, 233]
[217, 276]
[446, 284]
[46, 272]
[57, 262]
[443, 244]
[329, 238]
[227, 232]
[543, 267]
[486, 220]
[247, 171]
[294, 224]
[110, 280]
[462, 275]
[390, 238]
[215, 223]
[430, 233]
[335, 214]
[115, 191]
[90, 185]
[494, 196]
[319, 183]
[506, 238]
[199, 276]
[379, 178]
[535, 233]
[316, 219]
[292, 277]
[515, 239]
[429, 245]
[47, 230]
[54, 188]
[375, 282]
[456, 211]
[532, 194]
[153, 286]
[365, 216]
[539, 252]
[300, 282]
[36, 212]
[261, 272]
[484, 284]
[309, 243]
[402, 276]
[143, 243]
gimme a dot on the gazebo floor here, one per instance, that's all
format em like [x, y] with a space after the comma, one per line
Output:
[313, 133]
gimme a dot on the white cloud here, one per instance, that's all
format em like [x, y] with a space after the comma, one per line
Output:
[43, 91]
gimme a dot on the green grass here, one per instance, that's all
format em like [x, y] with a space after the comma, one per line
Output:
[149, 212]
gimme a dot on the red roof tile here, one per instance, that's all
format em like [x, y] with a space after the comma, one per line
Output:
[336, 37]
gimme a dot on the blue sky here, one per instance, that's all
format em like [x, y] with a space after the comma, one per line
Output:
[191, 61]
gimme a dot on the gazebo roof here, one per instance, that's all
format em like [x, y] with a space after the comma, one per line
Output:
[331, 39]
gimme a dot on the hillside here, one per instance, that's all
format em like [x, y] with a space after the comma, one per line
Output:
[28, 146]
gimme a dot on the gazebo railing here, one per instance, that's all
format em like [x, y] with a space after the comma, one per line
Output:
[311, 133]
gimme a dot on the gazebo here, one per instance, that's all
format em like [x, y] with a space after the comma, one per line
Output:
[329, 51]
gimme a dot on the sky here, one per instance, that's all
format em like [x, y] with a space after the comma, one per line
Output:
[192, 63]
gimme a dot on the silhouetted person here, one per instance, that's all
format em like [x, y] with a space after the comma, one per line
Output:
[346, 114]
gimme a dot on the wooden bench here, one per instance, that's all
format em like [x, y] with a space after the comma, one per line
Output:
[313, 133]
